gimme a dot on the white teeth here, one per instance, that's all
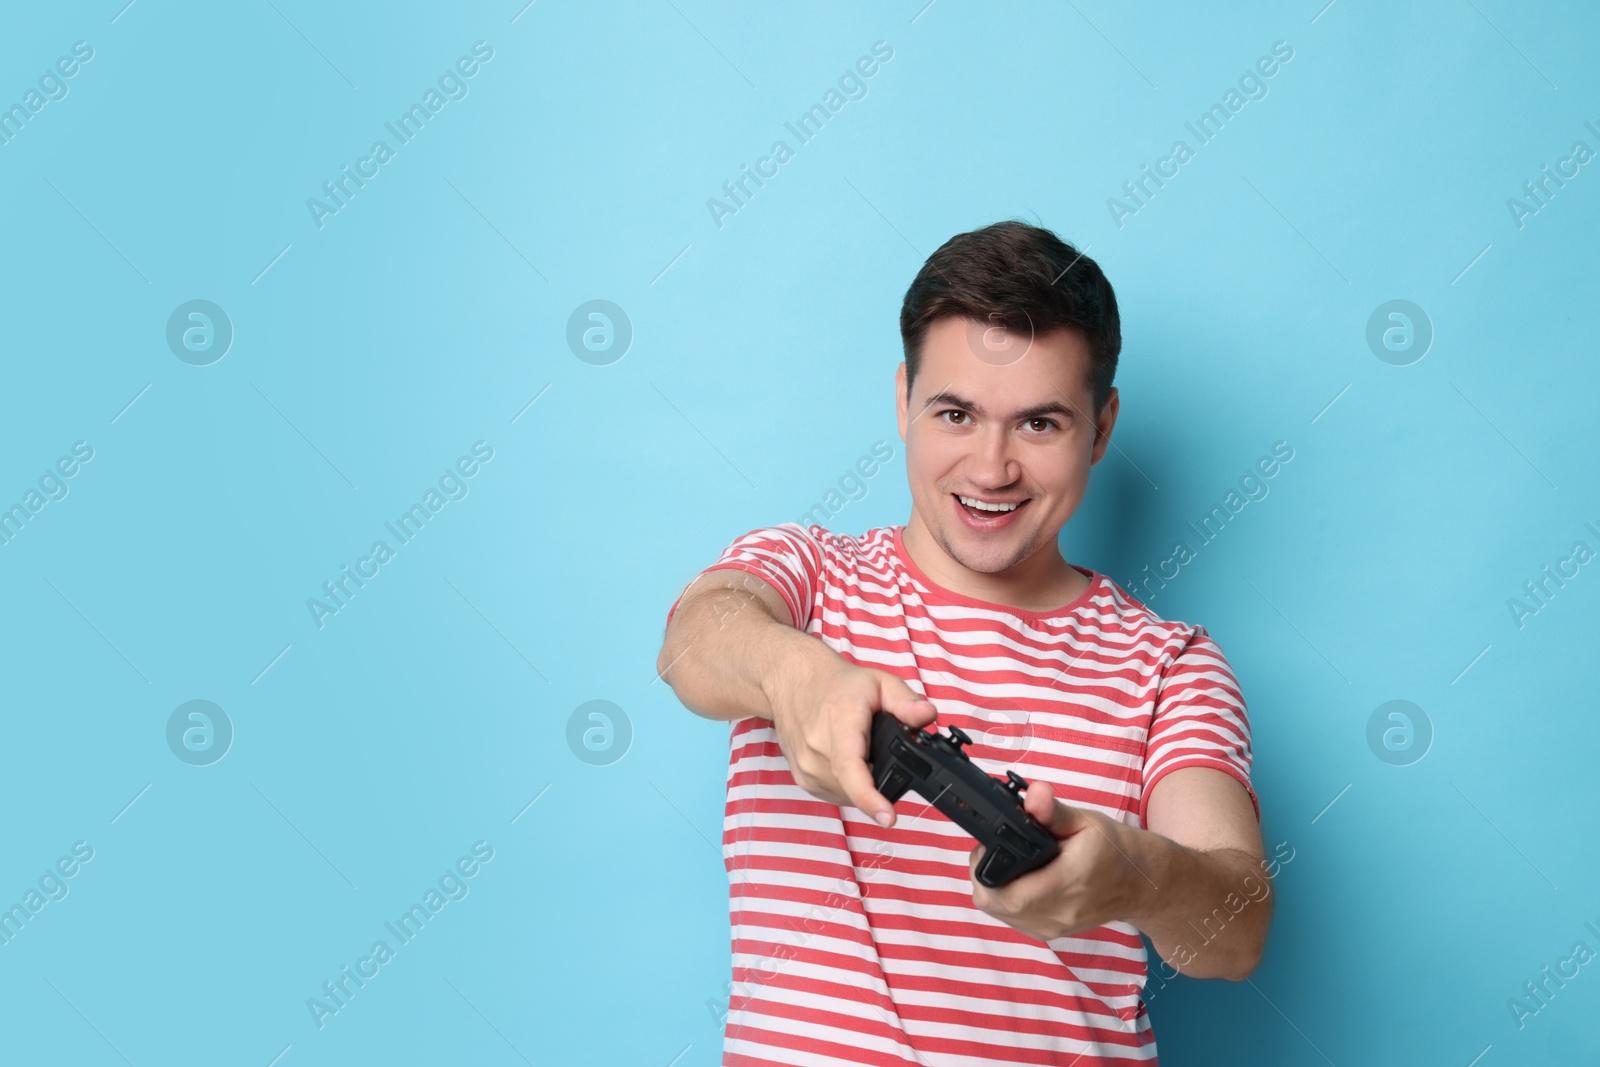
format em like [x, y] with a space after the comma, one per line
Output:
[981, 506]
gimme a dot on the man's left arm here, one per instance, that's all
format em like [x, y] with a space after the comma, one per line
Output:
[1193, 882]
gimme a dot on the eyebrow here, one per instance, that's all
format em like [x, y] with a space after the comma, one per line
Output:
[944, 396]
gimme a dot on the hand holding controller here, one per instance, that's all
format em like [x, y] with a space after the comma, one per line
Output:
[935, 766]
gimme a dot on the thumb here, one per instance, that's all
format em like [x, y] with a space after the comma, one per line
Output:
[1060, 819]
[905, 704]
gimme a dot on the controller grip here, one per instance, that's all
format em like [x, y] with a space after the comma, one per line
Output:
[895, 768]
[1000, 865]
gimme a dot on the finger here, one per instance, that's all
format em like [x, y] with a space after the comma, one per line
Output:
[983, 896]
[1062, 820]
[913, 711]
[1040, 801]
[851, 743]
[905, 703]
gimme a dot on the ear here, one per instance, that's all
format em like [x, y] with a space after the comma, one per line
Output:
[1103, 425]
[900, 398]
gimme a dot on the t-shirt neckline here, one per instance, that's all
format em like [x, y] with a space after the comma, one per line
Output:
[939, 592]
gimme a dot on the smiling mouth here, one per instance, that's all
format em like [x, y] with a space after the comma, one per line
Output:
[988, 511]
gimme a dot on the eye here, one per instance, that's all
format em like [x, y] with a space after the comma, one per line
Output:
[1048, 424]
[954, 411]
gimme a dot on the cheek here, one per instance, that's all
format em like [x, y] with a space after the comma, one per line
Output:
[929, 459]
[1065, 473]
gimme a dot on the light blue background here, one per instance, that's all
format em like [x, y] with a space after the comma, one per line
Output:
[371, 753]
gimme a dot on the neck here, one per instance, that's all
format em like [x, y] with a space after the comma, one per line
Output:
[1043, 581]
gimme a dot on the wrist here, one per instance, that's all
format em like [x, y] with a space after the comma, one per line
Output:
[789, 664]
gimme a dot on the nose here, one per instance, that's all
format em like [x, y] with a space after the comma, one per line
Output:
[992, 465]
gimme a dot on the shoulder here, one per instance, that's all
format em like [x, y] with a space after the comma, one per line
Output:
[844, 550]
[788, 536]
[1121, 612]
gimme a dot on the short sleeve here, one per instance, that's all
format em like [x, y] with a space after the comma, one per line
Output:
[1200, 720]
[788, 557]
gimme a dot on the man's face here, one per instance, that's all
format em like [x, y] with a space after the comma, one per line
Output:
[1011, 421]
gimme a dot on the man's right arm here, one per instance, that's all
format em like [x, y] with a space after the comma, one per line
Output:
[731, 652]
[731, 636]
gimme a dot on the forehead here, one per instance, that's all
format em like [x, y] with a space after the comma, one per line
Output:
[1007, 368]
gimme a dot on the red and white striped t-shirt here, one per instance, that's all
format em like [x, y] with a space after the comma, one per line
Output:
[855, 944]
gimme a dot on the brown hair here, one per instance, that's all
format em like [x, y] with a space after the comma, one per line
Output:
[1022, 277]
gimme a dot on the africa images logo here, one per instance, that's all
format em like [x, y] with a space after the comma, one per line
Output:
[852, 85]
[454, 484]
[1205, 128]
[452, 83]
[452, 886]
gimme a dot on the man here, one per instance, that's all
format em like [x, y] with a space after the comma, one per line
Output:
[859, 933]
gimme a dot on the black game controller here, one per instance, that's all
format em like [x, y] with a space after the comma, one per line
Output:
[990, 810]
